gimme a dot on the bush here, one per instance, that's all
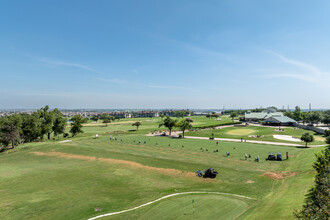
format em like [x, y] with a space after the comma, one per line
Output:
[327, 140]
[65, 135]
[327, 133]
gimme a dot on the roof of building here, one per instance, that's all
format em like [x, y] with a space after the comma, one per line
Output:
[279, 119]
[262, 115]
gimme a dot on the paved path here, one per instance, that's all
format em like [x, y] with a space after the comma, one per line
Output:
[175, 134]
[256, 142]
[164, 197]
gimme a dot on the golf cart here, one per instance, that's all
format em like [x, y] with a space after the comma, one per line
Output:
[209, 173]
[271, 156]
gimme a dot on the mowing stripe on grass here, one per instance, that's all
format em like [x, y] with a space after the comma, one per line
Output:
[164, 197]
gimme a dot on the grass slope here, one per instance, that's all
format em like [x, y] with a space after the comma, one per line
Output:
[69, 180]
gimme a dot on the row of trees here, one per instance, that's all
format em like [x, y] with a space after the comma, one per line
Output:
[20, 128]
[105, 118]
[314, 117]
[183, 124]
[213, 115]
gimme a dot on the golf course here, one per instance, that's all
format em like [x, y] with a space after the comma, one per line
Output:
[131, 175]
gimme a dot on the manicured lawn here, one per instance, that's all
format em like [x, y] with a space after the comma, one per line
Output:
[52, 180]
[244, 132]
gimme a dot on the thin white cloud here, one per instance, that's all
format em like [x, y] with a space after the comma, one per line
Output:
[114, 80]
[140, 85]
[305, 72]
[165, 87]
[296, 63]
[62, 63]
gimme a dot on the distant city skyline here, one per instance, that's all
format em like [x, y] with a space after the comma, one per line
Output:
[164, 54]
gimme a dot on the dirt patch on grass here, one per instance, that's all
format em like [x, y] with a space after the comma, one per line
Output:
[250, 181]
[166, 171]
[64, 155]
[279, 175]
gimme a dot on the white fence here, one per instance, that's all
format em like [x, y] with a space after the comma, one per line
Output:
[312, 128]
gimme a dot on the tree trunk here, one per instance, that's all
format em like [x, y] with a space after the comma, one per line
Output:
[12, 144]
[183, 133]
[170, 131]
[306, 144]
[48, 135]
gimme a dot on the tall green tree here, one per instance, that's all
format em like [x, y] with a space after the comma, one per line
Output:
[314, 117]
[289, 114]
[183, 125]
[77, 124]
[106, 119]
[318, 199]
[137, 125]
[59, 122]
[94, 118]
[304, 117]
[233, 115]
[168, 123]
[326, 117]
[10, 130]
[297, 114]
[307, 138]
[47, 121]
[31, 127]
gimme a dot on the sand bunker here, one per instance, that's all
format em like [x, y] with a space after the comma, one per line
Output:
[64, 141]
[279, 176]
[287, 138]
[115, 161]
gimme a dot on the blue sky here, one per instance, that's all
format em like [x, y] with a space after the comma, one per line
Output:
[164, 54]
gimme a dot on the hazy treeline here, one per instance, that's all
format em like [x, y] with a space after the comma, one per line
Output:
[313, 117]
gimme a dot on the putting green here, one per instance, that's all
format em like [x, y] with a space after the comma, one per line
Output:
[241, 131]
[182, 207]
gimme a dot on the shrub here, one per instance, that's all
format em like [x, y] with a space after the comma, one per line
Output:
[327, 133]
[327, 140]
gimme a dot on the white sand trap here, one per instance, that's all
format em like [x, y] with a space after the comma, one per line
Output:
[287, 138]
[64, 141]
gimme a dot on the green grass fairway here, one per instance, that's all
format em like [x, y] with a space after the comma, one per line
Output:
[238, 132]
[205, 207]
[53, 180]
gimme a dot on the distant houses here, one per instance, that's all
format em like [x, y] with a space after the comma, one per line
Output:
[269, 117]
[146, 114]
[121, 114]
